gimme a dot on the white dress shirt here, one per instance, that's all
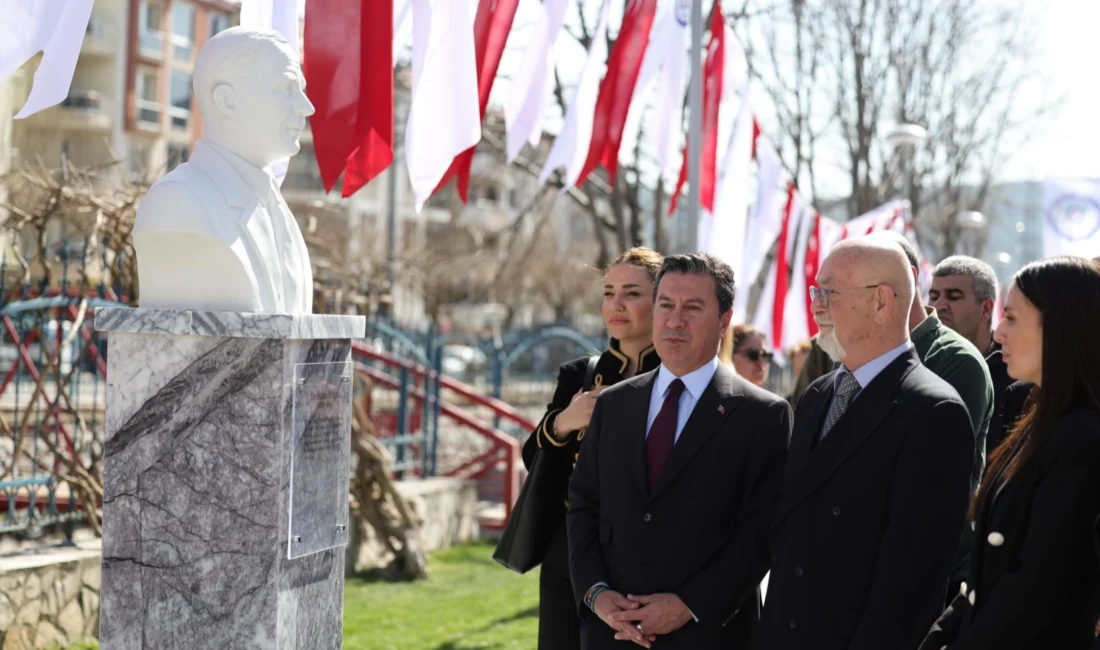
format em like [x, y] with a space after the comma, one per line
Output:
[866, 373]
[695, 382]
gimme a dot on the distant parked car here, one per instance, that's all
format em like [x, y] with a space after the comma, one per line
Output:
[463, 361]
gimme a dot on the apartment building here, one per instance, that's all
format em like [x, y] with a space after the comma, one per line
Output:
[131, 93]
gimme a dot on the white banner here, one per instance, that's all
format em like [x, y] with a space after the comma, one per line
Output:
[445, 112]
[1071, 217]
[532, 85]
[570, 148]
[54, 27]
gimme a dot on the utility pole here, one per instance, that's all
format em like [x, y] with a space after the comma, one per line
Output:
[695, 123]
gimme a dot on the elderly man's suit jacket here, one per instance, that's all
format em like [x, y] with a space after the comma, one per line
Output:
[871, 516]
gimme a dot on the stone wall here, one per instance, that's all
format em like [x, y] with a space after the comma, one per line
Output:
[50, 599]
[444, 507]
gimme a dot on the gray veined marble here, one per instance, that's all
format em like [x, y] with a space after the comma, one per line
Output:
[207, 437]
[229, 324]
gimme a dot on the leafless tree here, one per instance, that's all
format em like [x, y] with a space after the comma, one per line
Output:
[842, 73]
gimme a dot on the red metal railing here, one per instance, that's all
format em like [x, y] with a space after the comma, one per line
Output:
[503, 449]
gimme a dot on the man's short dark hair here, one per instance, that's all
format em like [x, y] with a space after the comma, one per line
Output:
[701, 264]
[983, 275]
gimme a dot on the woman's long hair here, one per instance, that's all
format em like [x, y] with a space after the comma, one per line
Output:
[1066, 291]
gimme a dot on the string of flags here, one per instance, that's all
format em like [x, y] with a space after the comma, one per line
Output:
[349, 50]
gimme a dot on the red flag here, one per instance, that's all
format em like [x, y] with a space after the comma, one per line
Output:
[813, 262]
[782, 268]
[712, 98]
[348, 65]
[491, 27]
[623, 66]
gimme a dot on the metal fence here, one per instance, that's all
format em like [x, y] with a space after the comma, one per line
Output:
[430, 399]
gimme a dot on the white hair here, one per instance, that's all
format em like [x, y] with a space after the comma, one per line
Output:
[227, 58]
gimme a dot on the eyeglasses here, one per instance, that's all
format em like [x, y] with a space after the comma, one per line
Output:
[826, 294]
[755, 355]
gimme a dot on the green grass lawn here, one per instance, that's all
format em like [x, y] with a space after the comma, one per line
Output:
[469, 603]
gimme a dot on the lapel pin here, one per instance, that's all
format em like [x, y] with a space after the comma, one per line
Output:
[721, 409]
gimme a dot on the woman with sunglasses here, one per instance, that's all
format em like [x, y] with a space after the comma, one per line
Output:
[628, 314]
[751, 357]
[1032, 568]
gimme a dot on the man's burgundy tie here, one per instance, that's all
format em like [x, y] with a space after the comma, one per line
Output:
[662, 435]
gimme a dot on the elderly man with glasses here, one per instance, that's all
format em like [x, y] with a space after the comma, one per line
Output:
[877, 485]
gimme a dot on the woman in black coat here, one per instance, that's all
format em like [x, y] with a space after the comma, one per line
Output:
[628, 313]
[1033, 568]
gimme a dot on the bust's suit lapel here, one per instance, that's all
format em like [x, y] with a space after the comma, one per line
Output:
[252, 221]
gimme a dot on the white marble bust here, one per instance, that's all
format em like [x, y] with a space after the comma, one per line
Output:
[215, 233]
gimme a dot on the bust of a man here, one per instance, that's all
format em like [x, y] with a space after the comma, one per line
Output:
[215, 234]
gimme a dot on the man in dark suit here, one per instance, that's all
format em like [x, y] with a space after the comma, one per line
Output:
[878, 477]
[676, 485]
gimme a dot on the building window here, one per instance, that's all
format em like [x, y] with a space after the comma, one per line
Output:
[180, 99]
[148, 105]
[151, 37]
[183, 31]
[218, 23]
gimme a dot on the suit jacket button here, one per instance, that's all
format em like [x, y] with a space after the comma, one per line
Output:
[647, 517]
[794, 623]
[836, 511]
[973, 597]
[995, 539]
[798, 571]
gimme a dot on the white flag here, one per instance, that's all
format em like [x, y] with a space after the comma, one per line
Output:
[888, 216]
[444, 114]
[570, 148]
[722, 234]
[282, 16]
[1071, 217]
[796, 324]
[54, 27]
[402, 27]
[529, 92]
[663, 66]
[764, 225]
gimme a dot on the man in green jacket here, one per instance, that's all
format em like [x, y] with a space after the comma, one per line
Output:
[955, 360]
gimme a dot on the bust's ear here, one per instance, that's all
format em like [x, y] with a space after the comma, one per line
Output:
[225, 99]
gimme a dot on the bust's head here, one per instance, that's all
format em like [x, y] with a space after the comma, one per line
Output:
[251, 94]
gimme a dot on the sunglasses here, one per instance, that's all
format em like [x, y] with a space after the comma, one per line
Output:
[755, 355]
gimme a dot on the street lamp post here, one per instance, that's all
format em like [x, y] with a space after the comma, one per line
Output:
[695, 119]
[905, 138]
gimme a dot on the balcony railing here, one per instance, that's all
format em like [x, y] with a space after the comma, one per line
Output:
[180, 117]
[148, 114]
[88, 100]
[84, 110]
[152, 44]
[183, 48]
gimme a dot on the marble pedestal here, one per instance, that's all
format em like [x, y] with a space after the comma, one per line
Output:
[225, 479]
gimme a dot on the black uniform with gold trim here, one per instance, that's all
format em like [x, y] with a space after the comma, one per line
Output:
[559, 625]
